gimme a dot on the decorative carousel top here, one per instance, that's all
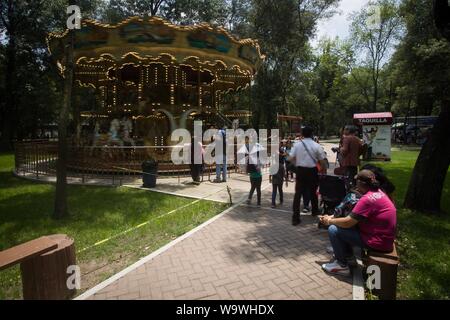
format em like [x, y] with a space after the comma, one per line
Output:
[100, 50]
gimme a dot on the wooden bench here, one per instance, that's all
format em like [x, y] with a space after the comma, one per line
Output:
[43, 265]
[388, 263]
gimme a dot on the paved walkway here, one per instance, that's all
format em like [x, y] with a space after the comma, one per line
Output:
[247, 253]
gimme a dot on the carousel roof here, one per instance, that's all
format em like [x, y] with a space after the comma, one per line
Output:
[98, 48]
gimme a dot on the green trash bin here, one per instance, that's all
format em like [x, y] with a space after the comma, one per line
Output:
[149, 173]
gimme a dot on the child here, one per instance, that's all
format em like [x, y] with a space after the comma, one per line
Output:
[277, 185]
[255, 180]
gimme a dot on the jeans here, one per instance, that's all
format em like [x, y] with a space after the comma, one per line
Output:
[307, 180]
[342, 240]
[255, 185]
[275, 188]
[219, 169]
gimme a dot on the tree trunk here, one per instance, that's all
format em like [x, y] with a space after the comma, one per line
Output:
[375, 95]
[60, 210]
[10, 117]
[425, 187]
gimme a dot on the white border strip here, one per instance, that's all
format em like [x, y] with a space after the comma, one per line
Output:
[176, 194]
[154, 254]
[208, 198]
[358, 282]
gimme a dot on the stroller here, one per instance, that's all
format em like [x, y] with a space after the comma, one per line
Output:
[332, 190]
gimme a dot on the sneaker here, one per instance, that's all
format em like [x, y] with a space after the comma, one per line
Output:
[217, 181]
[306, 210]
[274, 206]
[330, 250]
[351, 261]
[335, 268]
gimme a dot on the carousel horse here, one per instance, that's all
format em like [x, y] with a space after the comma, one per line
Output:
[127, 127]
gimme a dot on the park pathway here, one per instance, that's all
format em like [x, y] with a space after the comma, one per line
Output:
[246, 253]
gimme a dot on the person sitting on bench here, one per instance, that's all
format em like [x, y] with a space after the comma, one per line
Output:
[376, 217]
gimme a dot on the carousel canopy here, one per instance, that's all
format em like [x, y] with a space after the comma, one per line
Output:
[207, 55]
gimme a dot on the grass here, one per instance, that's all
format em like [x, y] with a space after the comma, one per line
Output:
[424, 240]
[96, 213]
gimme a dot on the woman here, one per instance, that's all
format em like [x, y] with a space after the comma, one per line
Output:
[277, 181]
[254, 170]
[376, 218]
[289, 168]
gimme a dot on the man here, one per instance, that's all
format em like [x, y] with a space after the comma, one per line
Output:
[350, 152]
[376, 217]
[221, 157]
[196, 160]
[306, 154]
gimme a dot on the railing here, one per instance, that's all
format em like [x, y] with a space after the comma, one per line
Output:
[108, 164]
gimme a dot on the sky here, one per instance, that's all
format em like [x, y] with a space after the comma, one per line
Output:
[338, 25]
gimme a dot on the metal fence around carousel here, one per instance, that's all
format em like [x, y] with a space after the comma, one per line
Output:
[115, 165]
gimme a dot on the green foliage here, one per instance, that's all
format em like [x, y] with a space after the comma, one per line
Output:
[326, 86]
[97, 213]
[374, 30]
[283, 29]
[421, 65]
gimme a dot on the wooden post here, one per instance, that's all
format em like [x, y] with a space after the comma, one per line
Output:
[44, 277]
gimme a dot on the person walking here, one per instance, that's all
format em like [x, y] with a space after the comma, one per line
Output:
[277, 181]
[306, 154]
[196, 165]
[221, 157]
[254, 170]
[350, 152]
[288, 166]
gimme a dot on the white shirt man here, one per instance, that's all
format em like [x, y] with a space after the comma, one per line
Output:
[306, 153]
[302, 158]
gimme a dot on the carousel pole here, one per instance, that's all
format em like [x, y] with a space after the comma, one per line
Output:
[60, 210]
[199, 102]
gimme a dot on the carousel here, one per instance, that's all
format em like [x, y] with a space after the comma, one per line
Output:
[151, 77]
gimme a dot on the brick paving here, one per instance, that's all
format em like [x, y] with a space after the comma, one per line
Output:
[248, 253]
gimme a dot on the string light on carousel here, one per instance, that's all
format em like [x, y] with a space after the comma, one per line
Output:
[151, 77]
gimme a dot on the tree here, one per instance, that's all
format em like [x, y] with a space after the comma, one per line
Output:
[183, 12]
[283, 28]
[432, 52]
[330, 72]
[425, 187]
[61, 208]
[374, 30]
[115, 11]
[16, 18]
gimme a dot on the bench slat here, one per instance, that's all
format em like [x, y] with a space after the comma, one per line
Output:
[24, 251]
[384, 257]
